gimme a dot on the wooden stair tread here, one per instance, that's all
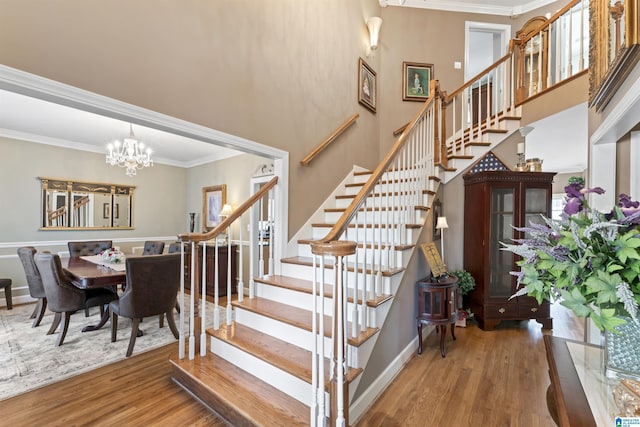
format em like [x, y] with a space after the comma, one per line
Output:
[330, 225]
[308, 261]
[283, 355]
[306, 286]
[297, 317]
[360, 245]
[236, 395]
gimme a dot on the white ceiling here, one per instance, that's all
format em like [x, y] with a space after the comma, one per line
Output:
[492, 7]
[31, 119]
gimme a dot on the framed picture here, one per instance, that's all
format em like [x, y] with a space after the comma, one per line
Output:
[213, 199]
[416, 80]
[367, 85]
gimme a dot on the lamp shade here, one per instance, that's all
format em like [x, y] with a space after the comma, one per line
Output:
[442, 222]
[373, 24]
[226, 211]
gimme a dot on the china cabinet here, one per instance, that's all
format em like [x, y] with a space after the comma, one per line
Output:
[496, 202]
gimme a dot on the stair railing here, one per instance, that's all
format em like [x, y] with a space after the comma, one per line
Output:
[554, 53]
[478, 104]
[381, 217]
[198, 241]
[328, 140]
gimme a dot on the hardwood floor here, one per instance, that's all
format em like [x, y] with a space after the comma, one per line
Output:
[496, 378]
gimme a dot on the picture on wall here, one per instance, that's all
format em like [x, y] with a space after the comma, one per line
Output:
[416, 78]
[213, 199]
[367, 85]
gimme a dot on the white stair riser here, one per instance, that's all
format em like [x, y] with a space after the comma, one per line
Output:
[400, 256]
[280, 330]
[306, 272]
[285, 382]
[383, 216]
[379, 234]
[305, 301]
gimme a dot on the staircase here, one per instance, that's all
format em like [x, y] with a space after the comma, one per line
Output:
[273, 363]
[258, 371]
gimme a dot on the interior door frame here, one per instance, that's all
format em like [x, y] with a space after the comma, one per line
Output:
[471, 26]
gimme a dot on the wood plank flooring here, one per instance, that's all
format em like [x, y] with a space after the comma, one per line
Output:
[496, 378]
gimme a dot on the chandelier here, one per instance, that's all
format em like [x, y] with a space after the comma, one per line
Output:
[130, 154]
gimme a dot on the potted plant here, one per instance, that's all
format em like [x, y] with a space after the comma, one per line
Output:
[590, 261]
[466, 283]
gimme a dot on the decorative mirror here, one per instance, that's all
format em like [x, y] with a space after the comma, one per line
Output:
[77, 205]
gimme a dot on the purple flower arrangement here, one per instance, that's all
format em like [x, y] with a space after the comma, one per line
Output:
[588, 260]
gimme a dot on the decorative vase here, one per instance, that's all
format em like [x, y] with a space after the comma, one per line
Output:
[622, 351]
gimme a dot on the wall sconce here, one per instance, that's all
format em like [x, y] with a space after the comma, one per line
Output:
[442, 225]
[373, 24]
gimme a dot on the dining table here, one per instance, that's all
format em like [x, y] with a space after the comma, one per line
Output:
[89, 273]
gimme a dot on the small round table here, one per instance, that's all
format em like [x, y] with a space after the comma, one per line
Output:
[437, 305]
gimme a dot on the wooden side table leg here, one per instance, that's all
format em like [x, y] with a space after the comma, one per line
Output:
[453, 328]
[442, 334]
[419, 337]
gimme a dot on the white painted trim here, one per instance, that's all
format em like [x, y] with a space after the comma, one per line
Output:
[462, 6]
[24, 83]
[366, 399]
[622, 118]
[634, 178]
[505, 36]
[48, 243]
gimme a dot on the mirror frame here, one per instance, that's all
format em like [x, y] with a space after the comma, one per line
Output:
[607, 75]
[70, 187]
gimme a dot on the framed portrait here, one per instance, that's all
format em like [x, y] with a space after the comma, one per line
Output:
[213, 199]
[416, 78]
[367, 85]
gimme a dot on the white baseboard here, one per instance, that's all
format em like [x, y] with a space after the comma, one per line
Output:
[360, 405]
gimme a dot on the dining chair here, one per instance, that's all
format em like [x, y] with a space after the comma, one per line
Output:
[6, 285]
[34, 282]
[63, 297]
[153, 248]
[152, 288]
[93, 247]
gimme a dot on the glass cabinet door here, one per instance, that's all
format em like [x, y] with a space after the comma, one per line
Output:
[535, 205]
[501, 262]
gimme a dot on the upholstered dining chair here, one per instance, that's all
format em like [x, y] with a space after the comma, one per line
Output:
[93, 247]
[153, 248]
[152, 286]
[34, 282]
[63, 297]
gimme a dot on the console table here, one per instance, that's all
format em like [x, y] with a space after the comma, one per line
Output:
[579, 394]
[222, 262]
[437, 305]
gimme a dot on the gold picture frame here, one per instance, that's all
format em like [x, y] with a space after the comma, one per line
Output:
[367, 85]
[611, 61]
[416, 81]
[213, 199]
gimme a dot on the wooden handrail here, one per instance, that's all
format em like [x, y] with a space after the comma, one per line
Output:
[342, 223]
[477, 77]
[222, 227]
[401, 129]
[324, 144]
[553, 18]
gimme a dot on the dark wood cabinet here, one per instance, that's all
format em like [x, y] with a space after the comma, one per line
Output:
[437, 305]
[222, 259]
[494, 203]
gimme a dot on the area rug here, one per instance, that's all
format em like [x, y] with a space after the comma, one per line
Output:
[29, 358]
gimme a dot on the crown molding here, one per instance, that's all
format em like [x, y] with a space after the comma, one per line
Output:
[470, 7]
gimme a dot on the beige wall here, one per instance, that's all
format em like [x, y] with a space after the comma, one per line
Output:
[566, 95]
[280, 73]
